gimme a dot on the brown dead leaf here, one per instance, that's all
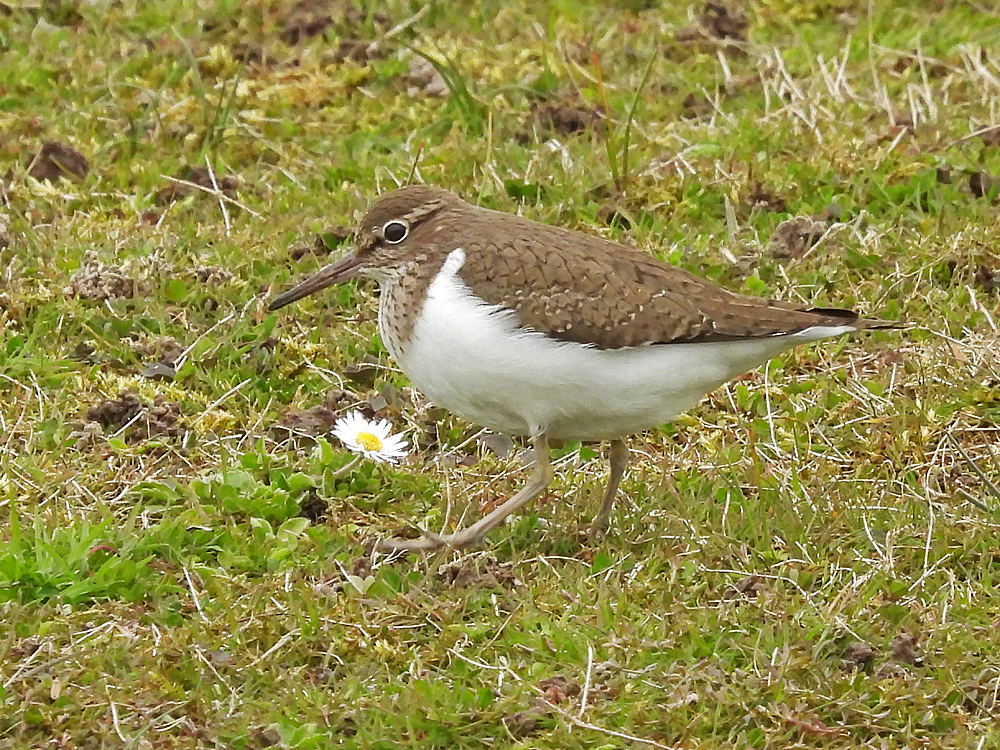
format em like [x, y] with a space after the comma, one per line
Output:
[499, 444]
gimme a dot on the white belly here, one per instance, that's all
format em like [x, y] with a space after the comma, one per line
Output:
[473, 359]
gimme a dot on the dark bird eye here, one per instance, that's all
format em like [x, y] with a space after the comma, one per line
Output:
[395, 231]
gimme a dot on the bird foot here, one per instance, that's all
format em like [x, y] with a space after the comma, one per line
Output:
[598, 528]
[431, 542]
[590, 533]
[474, 535]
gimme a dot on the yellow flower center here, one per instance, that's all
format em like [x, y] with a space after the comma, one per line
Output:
[369, 442]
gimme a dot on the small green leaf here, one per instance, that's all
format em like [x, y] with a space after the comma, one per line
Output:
[526, 193]
[175, 290]
[299, 482]
[602, 561]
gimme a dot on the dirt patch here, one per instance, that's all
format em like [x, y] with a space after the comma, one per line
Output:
[559, 689]
[723, 21]
[310, 18]
[423, 78]
[253, 54]
[611, 215]
[990, 137]
[933, 68]
[983, 185]
[199, 177]
[979, 271]
[478, 571]
[319, 419]
[265, 736]
[162, 349]
[528, 722]
[211, 275]
[162, 357]
[905, 649]
[761, 197]
[565, 119]
[858, 655]
[56, 160]
[341, 401]
[159, 419]
[363, 372]
[360, 51]
[312, 422]
[745, 588]
[987, 278]
[313, 507]
[717, 21]
[981, 694]
[905, 652]
[794, 237]
[695, 105]
[94, 280]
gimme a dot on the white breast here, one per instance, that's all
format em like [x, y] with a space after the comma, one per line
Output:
[473, 359]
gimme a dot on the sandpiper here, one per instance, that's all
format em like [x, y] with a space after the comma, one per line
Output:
[530, 329]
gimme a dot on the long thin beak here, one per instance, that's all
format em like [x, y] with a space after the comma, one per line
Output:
[342, 270]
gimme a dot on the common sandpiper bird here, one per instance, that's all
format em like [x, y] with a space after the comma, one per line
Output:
[530, 329]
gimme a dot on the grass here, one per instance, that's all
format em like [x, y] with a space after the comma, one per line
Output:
[807, 559]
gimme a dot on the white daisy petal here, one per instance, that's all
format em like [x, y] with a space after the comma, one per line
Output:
[371, 439]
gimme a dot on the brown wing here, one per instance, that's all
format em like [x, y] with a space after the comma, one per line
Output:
[576, 287]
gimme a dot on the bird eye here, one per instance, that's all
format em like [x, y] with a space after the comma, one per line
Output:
[395, 231]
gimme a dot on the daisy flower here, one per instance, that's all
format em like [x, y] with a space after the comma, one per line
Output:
[370, 438]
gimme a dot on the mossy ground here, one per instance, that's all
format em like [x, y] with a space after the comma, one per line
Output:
[808, 559]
